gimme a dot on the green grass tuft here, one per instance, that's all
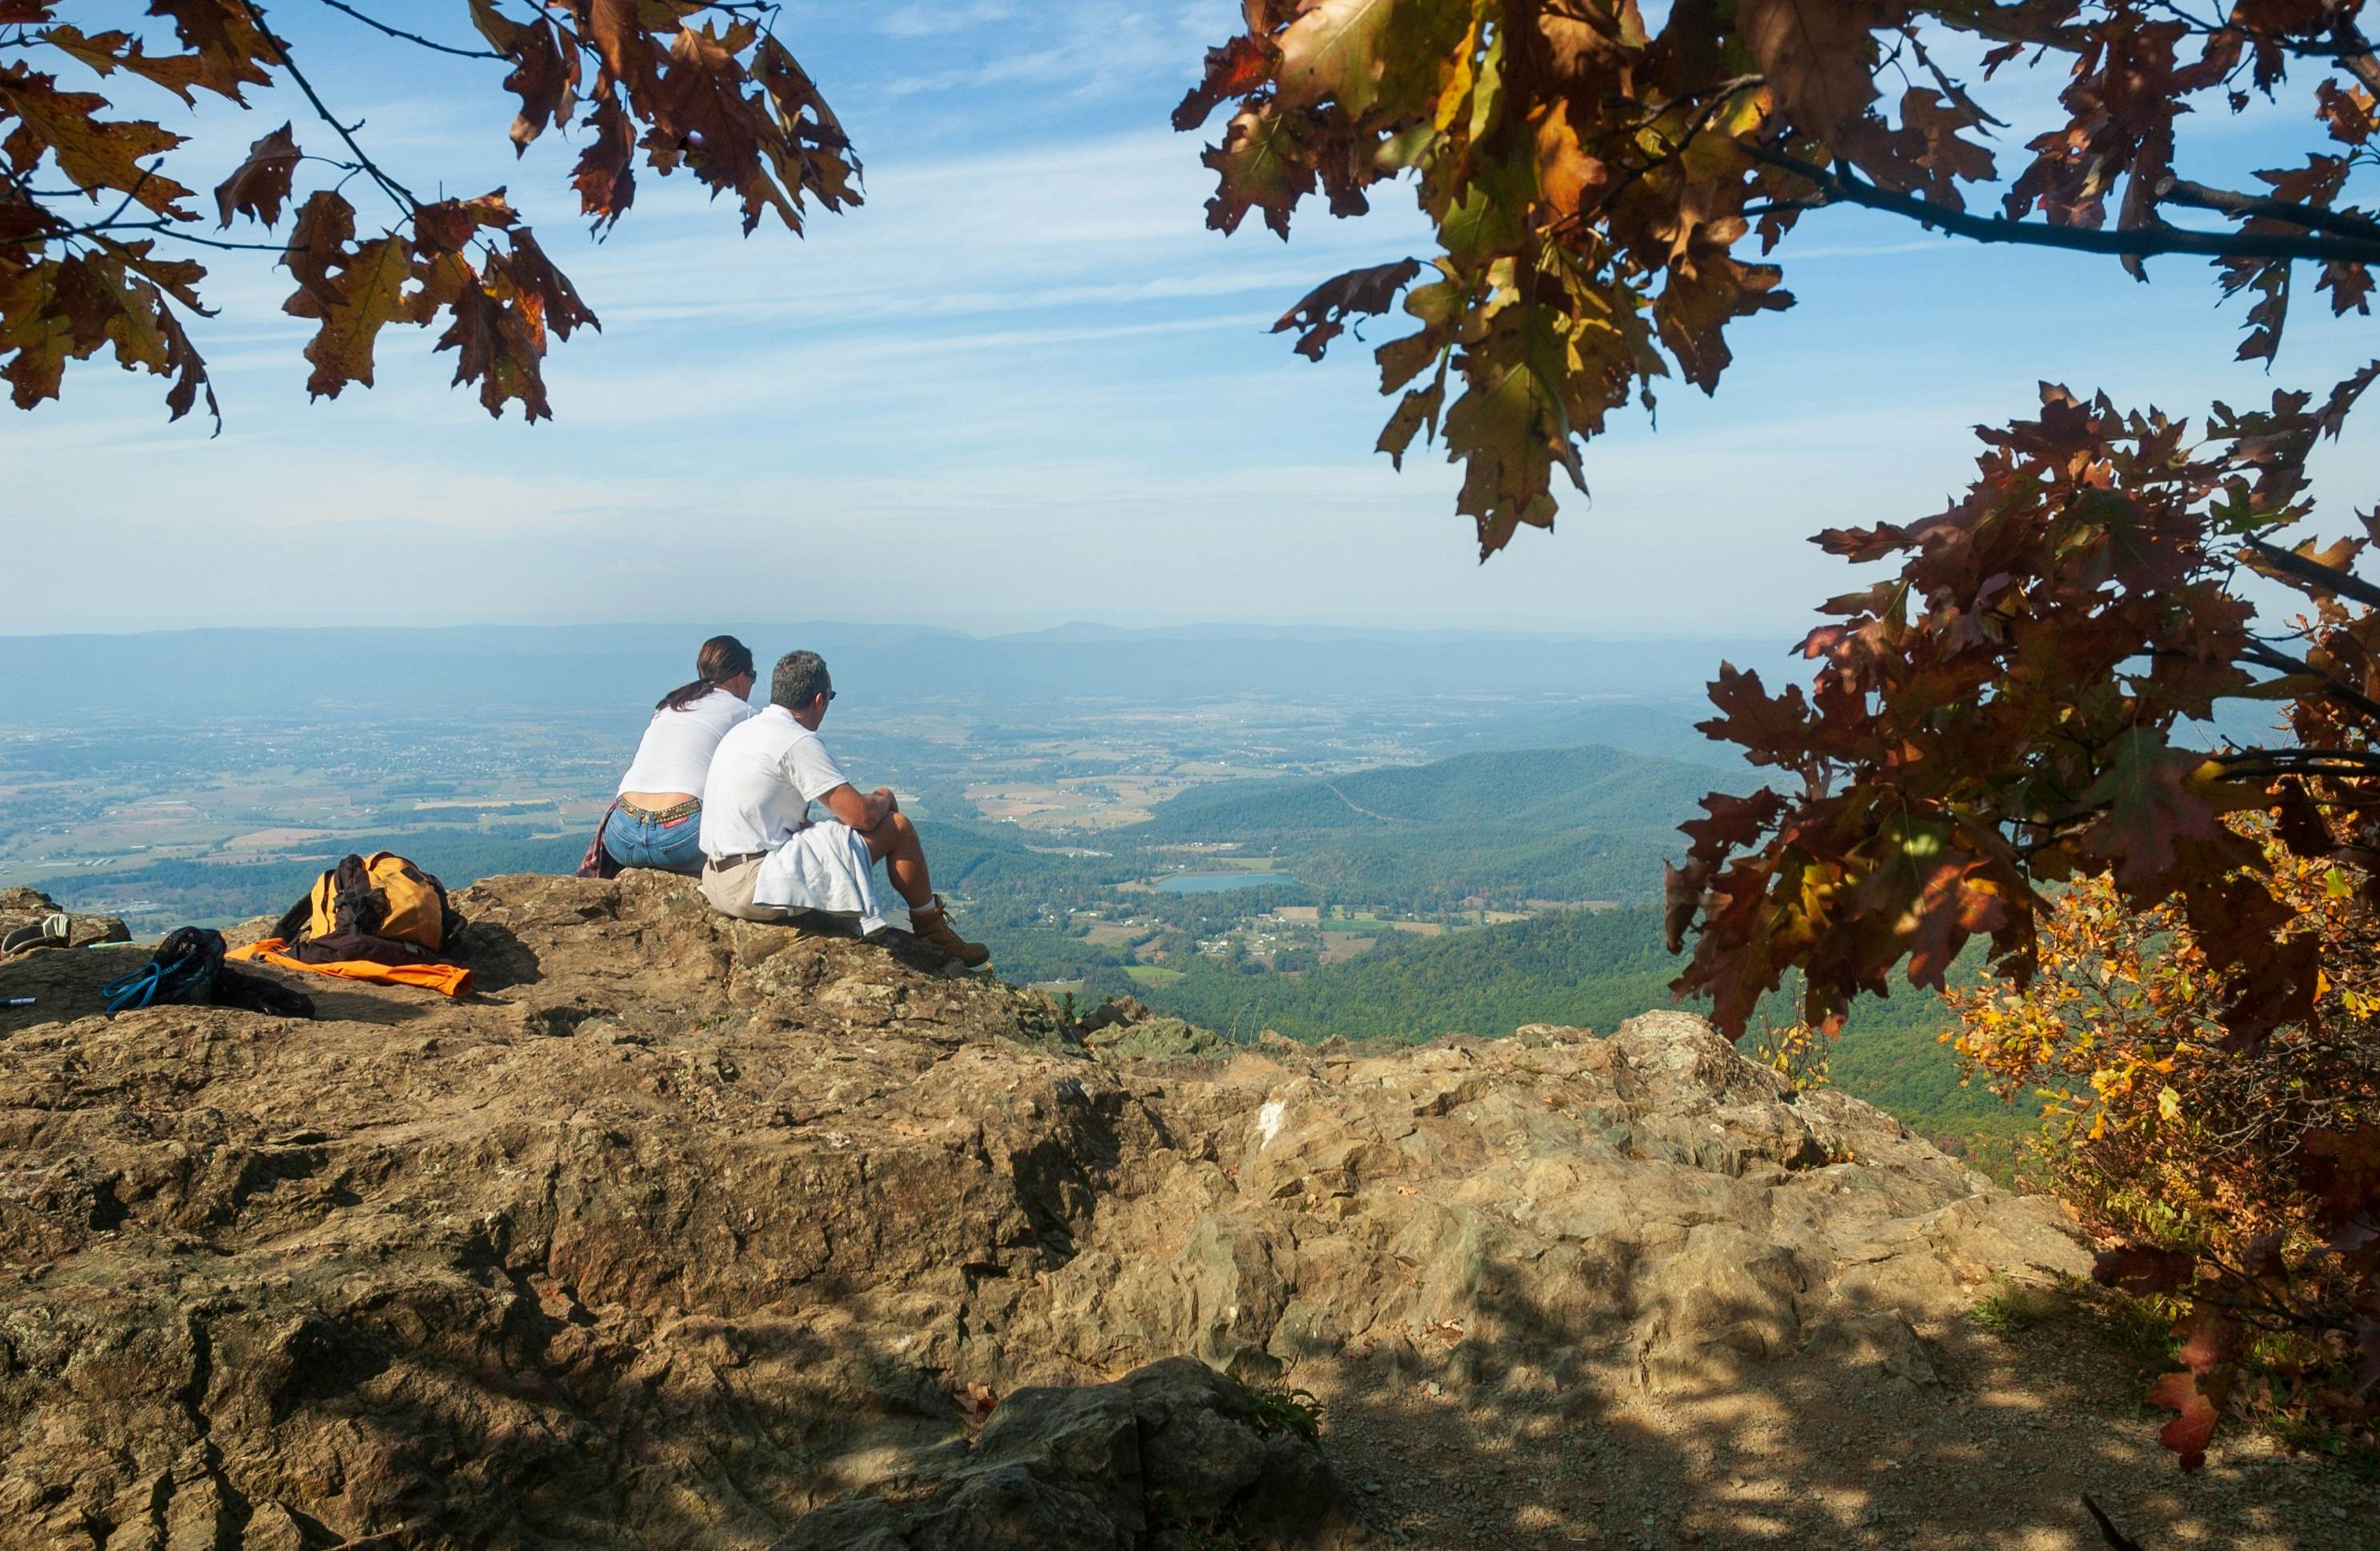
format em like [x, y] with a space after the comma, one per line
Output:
[2011, 1308]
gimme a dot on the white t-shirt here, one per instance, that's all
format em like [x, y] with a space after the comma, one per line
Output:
[763, 779]
[674, 755]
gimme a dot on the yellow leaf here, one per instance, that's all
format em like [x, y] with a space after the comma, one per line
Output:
[1450, 102]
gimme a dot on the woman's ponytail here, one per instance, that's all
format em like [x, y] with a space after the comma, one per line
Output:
[722, 658]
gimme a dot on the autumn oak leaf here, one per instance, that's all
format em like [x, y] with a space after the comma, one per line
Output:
[1358, 293]
[2153, 797]
[363, 295]
[1264, 164]
[1234, 70]
[260, 186]
[2188, 1433]
[1817, 56]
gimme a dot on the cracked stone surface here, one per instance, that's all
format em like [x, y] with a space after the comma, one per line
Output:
[694, 1232]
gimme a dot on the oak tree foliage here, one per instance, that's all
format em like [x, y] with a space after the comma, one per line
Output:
[2210, 1167]
[2003, 717]
[95, 231]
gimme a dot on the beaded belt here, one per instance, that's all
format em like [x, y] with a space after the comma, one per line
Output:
[685, 810]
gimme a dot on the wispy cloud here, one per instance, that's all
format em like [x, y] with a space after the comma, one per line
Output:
[927, 21]
[1089, 48]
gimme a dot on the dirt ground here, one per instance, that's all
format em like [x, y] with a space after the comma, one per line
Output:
[1995, 1454]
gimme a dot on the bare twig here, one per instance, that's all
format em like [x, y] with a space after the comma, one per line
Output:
[389, 185]
[379, 26]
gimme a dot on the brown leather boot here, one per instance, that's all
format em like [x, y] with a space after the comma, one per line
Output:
[931, 923]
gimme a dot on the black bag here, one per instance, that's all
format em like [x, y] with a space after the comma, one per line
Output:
[188, 970]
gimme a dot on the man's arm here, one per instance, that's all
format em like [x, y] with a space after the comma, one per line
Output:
[862, 813]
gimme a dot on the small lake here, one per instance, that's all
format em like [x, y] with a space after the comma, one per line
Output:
[1216, 882]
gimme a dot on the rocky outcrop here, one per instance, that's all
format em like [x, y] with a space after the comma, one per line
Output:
[695, 1232]
[1173, 1454]
[24, 908]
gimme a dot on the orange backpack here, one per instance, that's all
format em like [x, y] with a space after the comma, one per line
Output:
[379, 907]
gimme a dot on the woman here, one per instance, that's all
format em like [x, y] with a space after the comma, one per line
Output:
[657, 819]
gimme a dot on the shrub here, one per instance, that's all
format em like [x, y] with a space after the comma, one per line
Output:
[2226, 1176]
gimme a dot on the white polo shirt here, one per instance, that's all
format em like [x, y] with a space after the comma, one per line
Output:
[763, 777]
[674, 755]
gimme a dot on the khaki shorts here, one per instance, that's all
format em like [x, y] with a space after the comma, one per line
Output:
[729, 886]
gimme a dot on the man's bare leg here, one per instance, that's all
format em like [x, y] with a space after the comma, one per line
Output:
[894, 843]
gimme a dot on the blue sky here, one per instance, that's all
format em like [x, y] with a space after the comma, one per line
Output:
[1025, 385]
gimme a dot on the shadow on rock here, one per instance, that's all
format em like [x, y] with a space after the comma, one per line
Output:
[496, 957]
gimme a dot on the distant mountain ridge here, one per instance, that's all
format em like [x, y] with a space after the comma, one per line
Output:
[392, 672]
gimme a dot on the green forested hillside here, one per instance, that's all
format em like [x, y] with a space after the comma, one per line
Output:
[1549, 789]
[1580, 968]
[1550, 824]
[1503, 863]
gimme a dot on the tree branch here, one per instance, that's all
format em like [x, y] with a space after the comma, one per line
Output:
[2262, 763]
[389, 185]
[2355, 54]
[2243, 207]
[379, 26]
[2314, 573]
[1844, 187]
[2346, 695]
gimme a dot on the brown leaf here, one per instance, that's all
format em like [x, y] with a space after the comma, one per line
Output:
[2151, 802]
[450, 223]
[259, 186]
[67, 308]
[2206, 1338]
[224, 36]
[1264, 164]
[811, 152]
[620, 42]
[544, 74]
[2188, 1433]
[325, 224]
[1233, 70]
[1817, 54]
[1358, 293]
[2346, 111]
[499, 346]
[700, 111]
[1564, 170]
[106, 53]
[534, 276]
[1417, 412]
[2140, 1270]
[363, 295]
[94, 153]
[606, 175]
[35, 339]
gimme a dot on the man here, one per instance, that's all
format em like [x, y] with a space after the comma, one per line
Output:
[765, 860]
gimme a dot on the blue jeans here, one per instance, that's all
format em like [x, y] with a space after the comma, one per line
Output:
[633, 839]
